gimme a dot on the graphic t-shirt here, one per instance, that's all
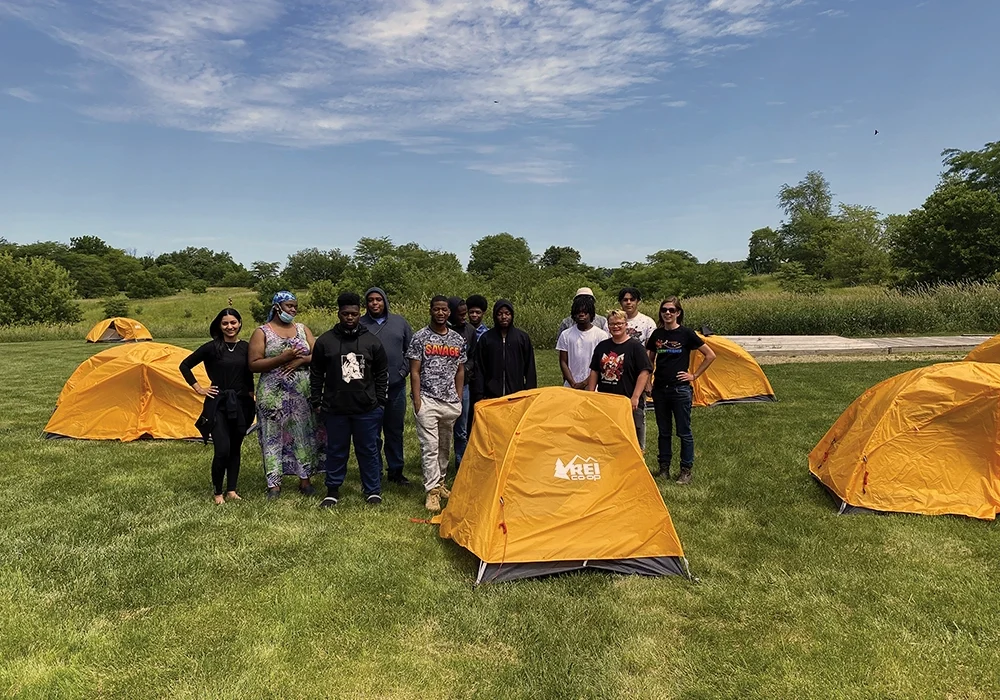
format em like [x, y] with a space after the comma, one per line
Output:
[440, 356]
[673, 353]
[618, 365]
[579, 346]
[641, 327]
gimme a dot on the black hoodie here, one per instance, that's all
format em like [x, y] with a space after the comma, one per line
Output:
[504, 365]
[467, 331]
[349, 372]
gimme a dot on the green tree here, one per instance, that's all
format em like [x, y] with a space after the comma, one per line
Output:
[312, 264]
[954, 236]
[89, 245]
[147, 284]
[806, 235]
[500, 251]
[323, 295]
[35, 290]
[792, 277]
[765, 251]
[811, 195]
[859, 254]
[262, 270]
[122, 267]
[980, 169]
[201, 263]
[368, 251]
[560, 256]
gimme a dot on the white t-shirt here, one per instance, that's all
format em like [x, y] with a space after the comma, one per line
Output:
[641, 327]
[579, 346]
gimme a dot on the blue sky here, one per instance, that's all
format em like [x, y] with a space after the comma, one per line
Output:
[262, 127]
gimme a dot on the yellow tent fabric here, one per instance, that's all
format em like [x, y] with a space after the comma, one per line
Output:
[129, 392]
[118, 329]
[734, 377]
[553, 480]
[924, 441]
[987, 351]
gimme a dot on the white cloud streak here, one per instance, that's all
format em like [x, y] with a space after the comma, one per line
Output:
[21, 94]
[309, 74]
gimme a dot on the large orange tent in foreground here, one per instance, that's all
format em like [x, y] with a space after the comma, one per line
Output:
[127, 393]
[553, 480]
[986, 351]
[925, 441]
[117, 330]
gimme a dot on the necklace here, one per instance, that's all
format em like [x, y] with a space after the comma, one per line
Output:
[232, 347]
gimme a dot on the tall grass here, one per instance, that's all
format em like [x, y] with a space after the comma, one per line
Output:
[859, 312]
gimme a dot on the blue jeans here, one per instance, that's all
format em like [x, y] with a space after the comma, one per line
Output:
[462, 428]
[674, 402]
[363, 428]
[392, 429]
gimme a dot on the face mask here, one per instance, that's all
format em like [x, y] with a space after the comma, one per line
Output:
[285, 317]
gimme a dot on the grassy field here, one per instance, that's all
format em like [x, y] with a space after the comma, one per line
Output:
[120, 579]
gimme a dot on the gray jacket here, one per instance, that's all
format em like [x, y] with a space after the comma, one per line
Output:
[395, 334]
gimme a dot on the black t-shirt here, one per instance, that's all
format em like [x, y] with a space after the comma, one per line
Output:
[618, 365]
[228, 371]
[673, 353]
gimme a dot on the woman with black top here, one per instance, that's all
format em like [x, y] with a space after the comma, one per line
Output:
[669, 348]
[229, 403]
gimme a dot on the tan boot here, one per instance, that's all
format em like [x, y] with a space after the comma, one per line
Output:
[433, 502]
[443, 491]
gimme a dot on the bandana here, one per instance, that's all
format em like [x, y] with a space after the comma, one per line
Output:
[279, 298]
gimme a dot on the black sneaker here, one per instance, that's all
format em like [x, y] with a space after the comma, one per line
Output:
[332, 499]
[663, 471]
[685, 476]
[308, 490]
[273, 494]
[374, 499]
[399, 480]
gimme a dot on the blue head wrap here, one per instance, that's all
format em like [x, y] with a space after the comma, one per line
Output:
[279, 298]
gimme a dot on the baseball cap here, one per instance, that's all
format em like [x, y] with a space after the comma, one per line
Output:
[585, 290]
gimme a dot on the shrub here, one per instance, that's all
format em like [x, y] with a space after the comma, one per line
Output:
[35, 290]
[792, 277]
[199, 287]
[146, 284]
[116, 306]
[237, 278]
[323, 295]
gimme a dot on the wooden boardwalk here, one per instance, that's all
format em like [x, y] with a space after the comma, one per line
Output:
[838, 345]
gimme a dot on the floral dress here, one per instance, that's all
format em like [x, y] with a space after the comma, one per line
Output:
[290, 438]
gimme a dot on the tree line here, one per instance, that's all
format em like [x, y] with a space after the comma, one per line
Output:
[954, 236]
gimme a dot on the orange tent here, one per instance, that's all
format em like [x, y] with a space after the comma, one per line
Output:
[734, 377]
[116, 330]
[987, 351]
[129, 392]
[925, 441]
[553, 480]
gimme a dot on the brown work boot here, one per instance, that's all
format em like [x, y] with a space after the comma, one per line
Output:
[444, 491]
[433, 502]
[685, 476]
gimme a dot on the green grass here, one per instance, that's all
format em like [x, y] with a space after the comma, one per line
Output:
[118, 578]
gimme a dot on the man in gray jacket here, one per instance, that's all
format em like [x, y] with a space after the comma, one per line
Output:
[395, 334]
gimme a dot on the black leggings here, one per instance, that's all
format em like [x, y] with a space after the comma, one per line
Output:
[227, 440]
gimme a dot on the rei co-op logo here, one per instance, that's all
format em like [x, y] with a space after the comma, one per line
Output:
[578, 469]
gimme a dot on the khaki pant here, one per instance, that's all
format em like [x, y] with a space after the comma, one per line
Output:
[435, 424]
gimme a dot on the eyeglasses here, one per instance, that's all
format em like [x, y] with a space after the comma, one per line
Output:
[667, 310]
[617, 324]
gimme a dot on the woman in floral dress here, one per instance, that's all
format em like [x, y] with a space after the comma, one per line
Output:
[280, 350]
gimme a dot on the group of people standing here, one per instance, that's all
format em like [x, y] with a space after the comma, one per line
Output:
[317, 396]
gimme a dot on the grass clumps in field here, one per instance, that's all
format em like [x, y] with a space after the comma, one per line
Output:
[120, 579]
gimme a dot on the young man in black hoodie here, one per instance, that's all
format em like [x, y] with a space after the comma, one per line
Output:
[349, 381]
[505, 357]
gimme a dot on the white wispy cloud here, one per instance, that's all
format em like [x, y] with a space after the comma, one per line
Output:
[402, 71]
[728, 85]
[833, 13]
[677, 103]
[785, 161]
[21, 94]
[774, 103]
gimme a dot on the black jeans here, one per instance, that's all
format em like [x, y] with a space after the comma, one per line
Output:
[227, 440]
[674, 402]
